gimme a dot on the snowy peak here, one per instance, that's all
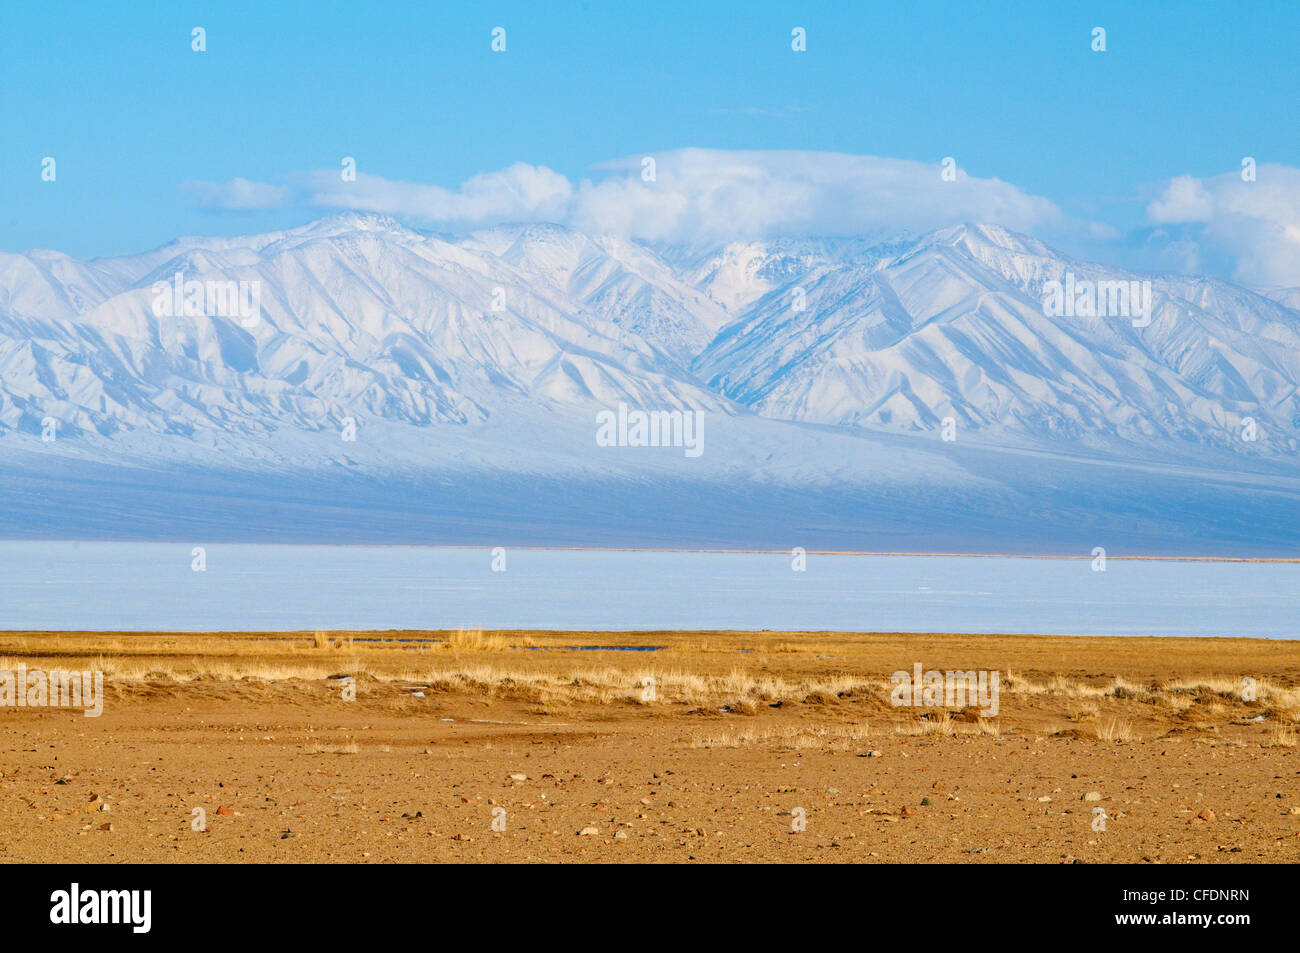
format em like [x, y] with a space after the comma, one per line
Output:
[614, 280]
[954, 326]
[358, 316]
[354, 316]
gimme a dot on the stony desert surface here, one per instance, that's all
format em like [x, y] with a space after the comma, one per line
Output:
[651, 747]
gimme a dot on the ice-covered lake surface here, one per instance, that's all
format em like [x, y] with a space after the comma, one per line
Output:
[154, 586]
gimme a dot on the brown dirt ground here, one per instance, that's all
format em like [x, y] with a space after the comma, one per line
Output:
[301, 775]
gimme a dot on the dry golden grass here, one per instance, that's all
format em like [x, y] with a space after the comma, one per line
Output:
[1116, 730]
[1107, 685]
[983, 726]
[1057, 685]
[930, 724]
[797, 738]
[737, 690]
[1280, 736]
[1084, 712]
[579, 682]
[476, 640]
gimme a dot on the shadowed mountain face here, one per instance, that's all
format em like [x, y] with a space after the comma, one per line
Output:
[824, 369]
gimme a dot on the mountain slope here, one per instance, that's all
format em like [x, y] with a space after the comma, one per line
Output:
[474, 366]
[954, 327]
[358, 317]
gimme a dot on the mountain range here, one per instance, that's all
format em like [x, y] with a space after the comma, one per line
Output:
[888, 392]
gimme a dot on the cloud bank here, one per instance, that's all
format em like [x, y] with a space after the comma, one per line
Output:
[686, 195]
[520, 193]
[1254, 225]
[712, 194]
[1246, 230]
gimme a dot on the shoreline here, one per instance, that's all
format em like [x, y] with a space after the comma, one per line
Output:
[664, 549]
[409, 635]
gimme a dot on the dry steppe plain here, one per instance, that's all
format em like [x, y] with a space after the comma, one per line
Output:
[714, 747]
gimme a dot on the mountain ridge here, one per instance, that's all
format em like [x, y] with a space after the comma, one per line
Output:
[361, 318]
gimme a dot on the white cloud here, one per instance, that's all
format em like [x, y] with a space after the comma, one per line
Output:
[714, 194]
[1246, 231]
[238, 195]
[1254, 225]
[520, 193]
[1184, 199]
[1249, 231]
[697, 194]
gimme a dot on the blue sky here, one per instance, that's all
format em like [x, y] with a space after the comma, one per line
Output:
[1012, 91]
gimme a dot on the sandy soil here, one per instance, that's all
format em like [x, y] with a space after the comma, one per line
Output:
[554, 741]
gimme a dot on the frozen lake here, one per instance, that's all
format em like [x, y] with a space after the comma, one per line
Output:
[153, 586]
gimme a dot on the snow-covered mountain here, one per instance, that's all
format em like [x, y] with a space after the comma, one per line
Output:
[611, 280]
[824, 368]
[359, 317]
[1289, 297]
[953, 326]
